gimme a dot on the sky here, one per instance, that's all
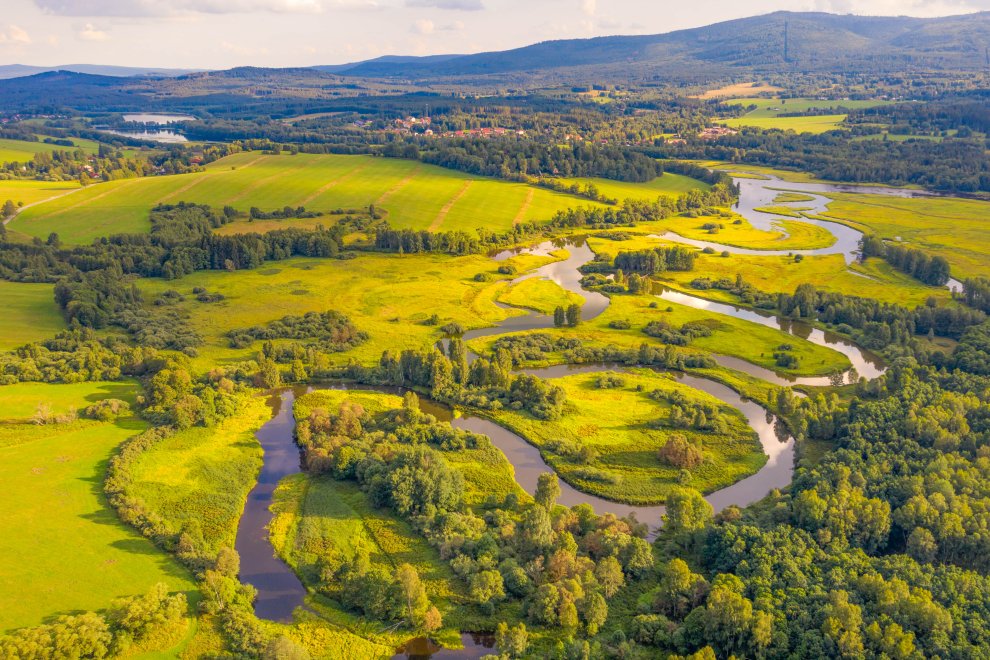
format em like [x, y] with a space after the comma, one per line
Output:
[215, 34]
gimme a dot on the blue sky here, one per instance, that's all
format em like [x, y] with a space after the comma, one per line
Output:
[225, 33]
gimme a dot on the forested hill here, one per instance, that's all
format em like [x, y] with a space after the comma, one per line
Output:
[814, 42]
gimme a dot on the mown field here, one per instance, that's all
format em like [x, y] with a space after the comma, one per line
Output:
[64, 549]
[32, 192]
[767, 113]
[952, 227]
[30, 313]
[19, 151]
[625, 427]
[414, 195]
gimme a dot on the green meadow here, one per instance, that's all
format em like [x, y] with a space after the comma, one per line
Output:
[30, 313]
[63, 546]
[784, 234]
[413, 194]
[199, 478]
[19, 151]
[952, 227]
[767, 113]
[625, 427]
[668, 185]
[390, 297]
[32, 192]
[539, 295]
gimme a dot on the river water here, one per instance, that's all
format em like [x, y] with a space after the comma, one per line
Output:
[280, 591]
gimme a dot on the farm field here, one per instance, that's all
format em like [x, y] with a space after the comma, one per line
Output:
[32, 192]
[414, 195]
[389, 297]
[952, 227]
[624, 427]
[668, 185]
[53, 497]
[746, 89]
[20, 151]
[767, 113]
[30, 313]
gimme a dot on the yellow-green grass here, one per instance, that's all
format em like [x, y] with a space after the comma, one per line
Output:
[758, 347]
[32, 192]
[668, 185]
[30, 313]
[21, 151]
[388, 296]
[626, 427]
[787, 211]
[767, 113]
[782, 274]
[64, 550]
[415, 195]
[785, 235]
[200, 477]
[952, 227]
[810, 124]
[788, 197]
[539, 295]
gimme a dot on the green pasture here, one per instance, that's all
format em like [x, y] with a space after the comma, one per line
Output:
[767, 113]
[668, 185]
[63, 546]
[30, 313]
[413, 195]
[32, 192]
[952, 227]
[625, 427]
[20, 151]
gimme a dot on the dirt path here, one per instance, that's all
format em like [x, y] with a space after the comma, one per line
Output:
[435, 225]
[399, 185]
[38, 203]
[524, 208]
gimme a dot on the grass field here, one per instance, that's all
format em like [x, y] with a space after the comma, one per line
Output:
[414, 195]
[767, 113]
[20, 151]
[64, 548]
[201, 476]
[668, 185]
[626, 427]
[30, 313]
[32, 192]
[785, 235]
[390, 297]
[746, 89]
[948, 226]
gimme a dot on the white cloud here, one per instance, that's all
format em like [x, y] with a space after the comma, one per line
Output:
[424, 26]
[589, 7]
[459, 5]
[138, 8]
[15, 35]
[90, 33]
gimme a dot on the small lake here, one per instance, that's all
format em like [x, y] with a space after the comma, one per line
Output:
[165, 136]
[155, 118]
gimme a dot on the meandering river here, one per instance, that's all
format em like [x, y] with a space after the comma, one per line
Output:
[279, 590]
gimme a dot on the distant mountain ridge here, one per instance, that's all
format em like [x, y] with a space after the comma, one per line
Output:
[8, 71]
[780, 41]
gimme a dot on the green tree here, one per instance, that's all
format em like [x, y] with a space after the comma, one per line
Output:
[9, 209]
[411, 601]
[512, 641]
[573, 314]
[547, 490]
[559, 317]
[486, 586]
[595, 613]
